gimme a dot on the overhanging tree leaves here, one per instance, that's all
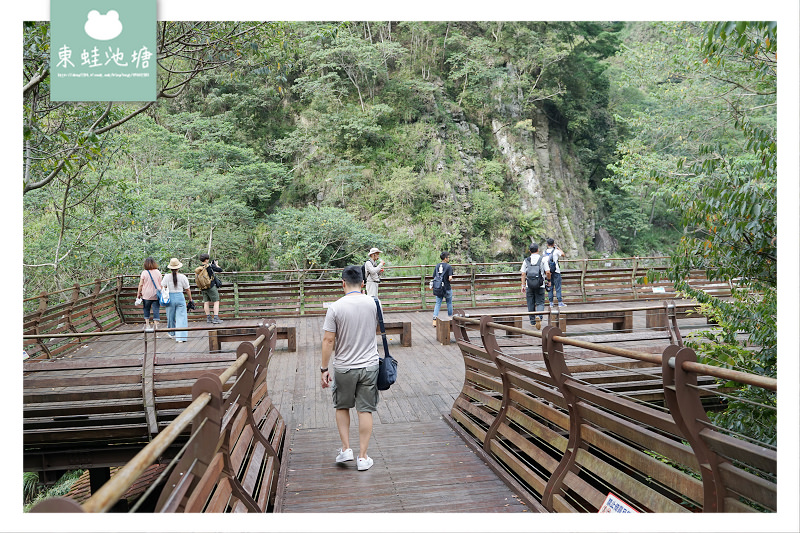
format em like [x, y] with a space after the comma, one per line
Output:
[60, 136]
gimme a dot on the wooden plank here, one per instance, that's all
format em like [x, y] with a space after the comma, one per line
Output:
[394, 483]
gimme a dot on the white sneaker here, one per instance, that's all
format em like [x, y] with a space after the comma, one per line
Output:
[345, 455]
[364, 464]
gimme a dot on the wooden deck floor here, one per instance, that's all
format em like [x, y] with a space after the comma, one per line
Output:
[421, 464]
[420, 467]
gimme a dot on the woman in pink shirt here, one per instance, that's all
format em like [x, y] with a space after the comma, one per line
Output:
[148, 291]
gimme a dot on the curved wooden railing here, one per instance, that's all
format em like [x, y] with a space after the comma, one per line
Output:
[232, 458]
[566, 433]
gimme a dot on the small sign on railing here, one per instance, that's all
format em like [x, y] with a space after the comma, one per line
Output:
[614, 505]
[658, 289]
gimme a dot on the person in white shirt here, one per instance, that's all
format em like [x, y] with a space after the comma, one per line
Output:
[534, 271]
[555, 274]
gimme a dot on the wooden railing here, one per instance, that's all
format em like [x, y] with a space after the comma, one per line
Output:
[563, 431]
[231, 460]
[89, 307]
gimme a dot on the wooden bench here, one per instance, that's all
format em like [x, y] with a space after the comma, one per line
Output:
[397, 328]
[566, 441]
[240, 440]
[217, 336]
[621, 320]
[106, 407]
[231, 460]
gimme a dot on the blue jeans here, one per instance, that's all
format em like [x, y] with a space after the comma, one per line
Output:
[555, 285]
[147, 304]
[448, 295]
[176, 315]
[535, 300]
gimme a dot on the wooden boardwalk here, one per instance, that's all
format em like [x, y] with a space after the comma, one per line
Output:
[421, 464]
[420, 467]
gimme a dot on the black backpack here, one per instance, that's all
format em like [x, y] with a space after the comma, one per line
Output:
[438, 280]
[364, 271]
[533, 273]
[552, 263]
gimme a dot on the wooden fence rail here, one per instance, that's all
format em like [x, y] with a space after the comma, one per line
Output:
[261, 295]
[563, 428]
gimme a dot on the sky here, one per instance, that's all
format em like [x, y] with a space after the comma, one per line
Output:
[788, 16]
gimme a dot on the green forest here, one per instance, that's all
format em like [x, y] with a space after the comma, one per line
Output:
[301, 145]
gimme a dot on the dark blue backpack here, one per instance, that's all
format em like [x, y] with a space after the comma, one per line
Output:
[551, 262]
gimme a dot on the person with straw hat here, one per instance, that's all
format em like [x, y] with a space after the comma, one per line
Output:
[373, 268]
[176, 284]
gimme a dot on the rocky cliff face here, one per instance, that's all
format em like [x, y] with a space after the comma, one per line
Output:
[549, 181]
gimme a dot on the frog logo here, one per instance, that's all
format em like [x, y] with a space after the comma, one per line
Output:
[103, 27]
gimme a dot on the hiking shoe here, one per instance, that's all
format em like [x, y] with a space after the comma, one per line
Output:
[345, 455]
[208, 319]
[216, 320]
[365, 463]
[562, 304]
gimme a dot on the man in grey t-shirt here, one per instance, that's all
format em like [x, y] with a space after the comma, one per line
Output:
[350, 324]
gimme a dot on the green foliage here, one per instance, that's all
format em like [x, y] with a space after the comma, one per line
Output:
[34, 492]
[315, 238]
[706, 142]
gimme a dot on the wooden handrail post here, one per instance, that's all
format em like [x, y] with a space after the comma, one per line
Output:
[117, 305]
[200, 450]
[584, 266]
[492, 349]
[302, 295]
[76, 293]
[633, 278]
[683, 401]
[148, 386]
[236, 299]
[459, 327]
[423, 292]
[37, 323]
[93, 303]
[553, 353]
[472, 283]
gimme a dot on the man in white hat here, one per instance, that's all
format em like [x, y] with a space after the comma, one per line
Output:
[372, 270]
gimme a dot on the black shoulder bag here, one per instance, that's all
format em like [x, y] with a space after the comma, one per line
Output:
[387, 371]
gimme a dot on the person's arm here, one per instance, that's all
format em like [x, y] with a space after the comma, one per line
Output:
[372, 270]
[561, 253]
[450, 278]
[139, 290]
[546, 267]
[327, 349]
[522, 275]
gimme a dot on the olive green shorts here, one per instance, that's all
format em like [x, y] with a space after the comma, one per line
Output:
[356, 387]
[210, 294]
